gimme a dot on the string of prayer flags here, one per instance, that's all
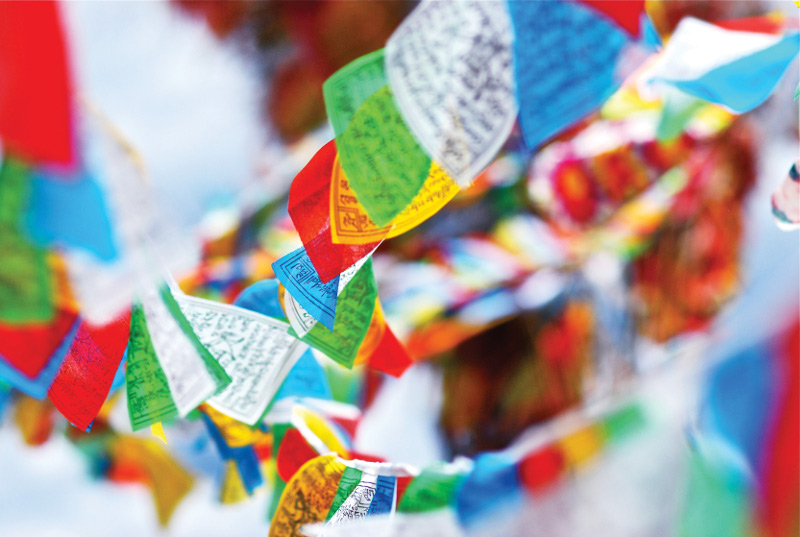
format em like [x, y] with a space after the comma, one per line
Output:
[354, 310]
[36, 100]
[350, 479]
[84, 380]
[786, 200]
[26, 278]
[384, 498]
[432, 489]
[737, 69]
[568, 59]
[450, 71]
[356, 500]
[255, 351]
[309, 208]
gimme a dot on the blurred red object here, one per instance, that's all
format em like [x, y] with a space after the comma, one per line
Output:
[36, 115]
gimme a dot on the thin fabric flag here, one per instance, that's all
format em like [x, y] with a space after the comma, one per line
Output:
[736, 69]
[449, 66]
[85, 377]
[256, 351]
[36, 109]
[569, 59]
[309, 208]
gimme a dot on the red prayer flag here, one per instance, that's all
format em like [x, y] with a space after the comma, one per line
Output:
[35, 84]
[84, 380]
[390, 356]
[309, 208]
[293, 453]
[28, 348]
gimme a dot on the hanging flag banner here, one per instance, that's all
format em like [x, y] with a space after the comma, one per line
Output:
[384, 500]
[256, 351]
[308, 496]
[450, 70]
[347, 89]
[36, 100]
[31, 355]
[357, 503]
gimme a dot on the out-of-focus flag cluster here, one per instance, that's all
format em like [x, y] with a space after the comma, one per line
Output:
[563, 133]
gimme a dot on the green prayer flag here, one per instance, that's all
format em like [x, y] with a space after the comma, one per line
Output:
[354, 308]
[27, 294]
[382, 160]
[149, 399]
[350, 479]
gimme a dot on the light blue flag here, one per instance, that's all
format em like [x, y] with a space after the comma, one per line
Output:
[745, 83]
[70, 212]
